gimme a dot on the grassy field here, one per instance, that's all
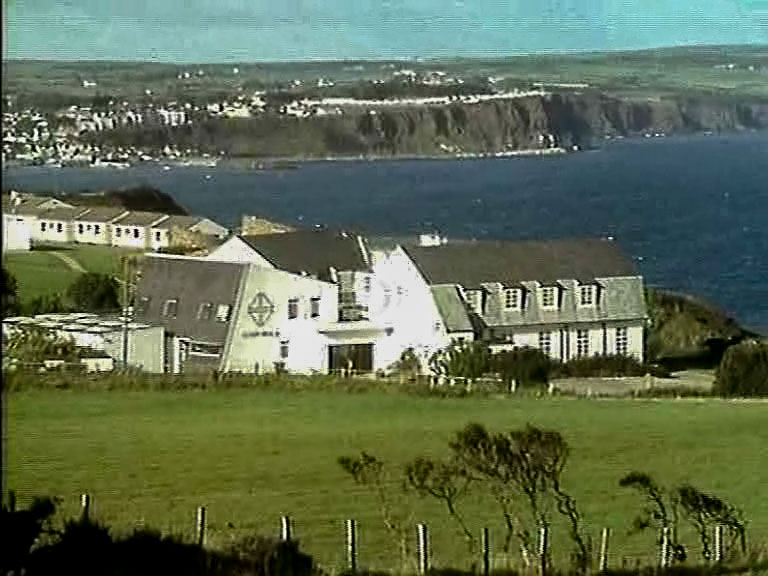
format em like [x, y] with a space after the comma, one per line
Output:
[252, 456]
[41, 272]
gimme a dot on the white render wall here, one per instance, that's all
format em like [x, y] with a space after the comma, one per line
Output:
[16, 233]
[127, 239]
[236, 250]
[401, 299]
[249, 344]
[89, 234]
[565, 348]
[55, 231]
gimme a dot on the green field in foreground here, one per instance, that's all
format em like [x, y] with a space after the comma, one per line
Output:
[252, 456]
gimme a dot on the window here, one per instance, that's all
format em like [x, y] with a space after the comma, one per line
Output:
[59, 227]
[96, 229]
[204, 311]
[293, 308]
[548, 297]
[42, 226]
[135, 232]
[511, 298]
[79, 228]
[582, 343]
[171, 308]
[222, 312]
[367, 283]
[157, 236]
[545, 342]
[348, 298]
[283, 350]
[622, 341]
[586, 295]
[118, 231]
[88, 227]
[314, 304]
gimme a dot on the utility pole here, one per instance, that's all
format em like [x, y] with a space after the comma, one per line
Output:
[126, 301]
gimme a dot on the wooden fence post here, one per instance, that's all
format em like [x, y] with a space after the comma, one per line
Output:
[604, 549]
[422, 548]
[201, 525]
[543, 549]
[718, 552]
[85, 507]
[285, 529]
[485, 542]
[351, 537]
[664, 557]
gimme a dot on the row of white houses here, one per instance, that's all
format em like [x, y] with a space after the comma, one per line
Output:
[48, 220]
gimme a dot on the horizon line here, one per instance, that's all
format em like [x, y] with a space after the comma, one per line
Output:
[412, 59]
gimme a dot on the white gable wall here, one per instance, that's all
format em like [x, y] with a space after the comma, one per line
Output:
[16, 233]
[237, 250]
[402, 300]
[251, 343]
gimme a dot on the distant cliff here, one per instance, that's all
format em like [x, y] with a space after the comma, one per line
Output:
[488, 127]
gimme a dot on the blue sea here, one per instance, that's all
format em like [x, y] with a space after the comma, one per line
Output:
[691, 211]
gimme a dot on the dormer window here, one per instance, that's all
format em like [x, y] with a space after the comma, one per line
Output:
[549, 297]
[511, 298]
[587, 295]
[171, 308]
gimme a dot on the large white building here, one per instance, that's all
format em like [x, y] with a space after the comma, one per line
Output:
[319, 301]
[309, 301]
[570, 298]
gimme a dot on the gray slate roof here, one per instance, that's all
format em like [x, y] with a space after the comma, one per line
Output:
[59, 213]
[470, 264]
[192, 282]
[176, 221]
[452, 308]
[310, 251]
[102, 214]
[139, 218]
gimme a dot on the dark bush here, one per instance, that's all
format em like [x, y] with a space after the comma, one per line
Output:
[527, 366]
[743, 370]
[269, 557]
[20, 529]
[608, 366]
[93, 292]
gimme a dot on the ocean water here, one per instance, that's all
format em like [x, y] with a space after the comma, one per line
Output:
[691, 211]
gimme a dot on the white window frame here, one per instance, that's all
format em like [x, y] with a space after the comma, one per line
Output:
[582, 343]
[511, 298]
[205, 311]
[293, 308]
[222, 312]
[314, 307]
[545, 342]
[587, 296]
[171, 308]
[622, 341]
[546, 292]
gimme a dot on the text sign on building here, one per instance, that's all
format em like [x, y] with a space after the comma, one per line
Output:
[261, 309]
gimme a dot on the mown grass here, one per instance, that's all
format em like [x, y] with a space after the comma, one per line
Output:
[253, 455]
[40, 272]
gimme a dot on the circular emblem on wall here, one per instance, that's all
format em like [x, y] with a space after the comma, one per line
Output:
[261, 309]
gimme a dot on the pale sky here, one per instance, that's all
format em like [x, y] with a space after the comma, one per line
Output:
[268, 30]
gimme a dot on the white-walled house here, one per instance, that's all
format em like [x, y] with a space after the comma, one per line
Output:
[570, 298]
[180, 230]
[95, 225]
[134, 230]
[16, 233]
[309, 301]
[56, 224]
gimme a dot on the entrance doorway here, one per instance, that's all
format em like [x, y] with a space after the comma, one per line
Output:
[360, 356]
